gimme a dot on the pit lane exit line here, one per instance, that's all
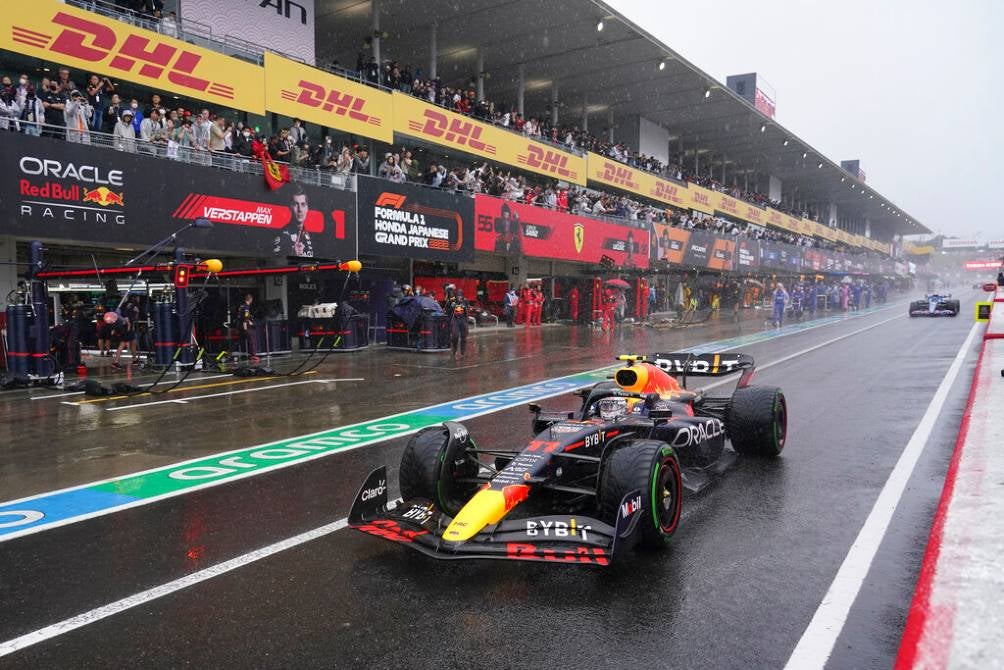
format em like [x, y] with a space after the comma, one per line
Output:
[816, 644]
[59, 508]
[149, 595]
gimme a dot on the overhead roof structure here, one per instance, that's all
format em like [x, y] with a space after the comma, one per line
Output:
[613, 70]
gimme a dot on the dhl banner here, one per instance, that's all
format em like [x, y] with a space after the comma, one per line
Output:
[422, 120]
[611, 173]
[76, 38]
[304, 92]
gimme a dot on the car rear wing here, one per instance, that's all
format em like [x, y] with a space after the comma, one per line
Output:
[706, 365]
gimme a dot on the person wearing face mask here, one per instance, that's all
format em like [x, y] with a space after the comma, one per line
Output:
[9, 110]
[77, 115]
[242, 143]
[21, 92]
[54, 104]
[137, 116]
[125, 134]
[32, 113]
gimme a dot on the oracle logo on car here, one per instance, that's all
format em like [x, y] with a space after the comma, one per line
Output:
[333, 100]
[455, 131]
[97, 43]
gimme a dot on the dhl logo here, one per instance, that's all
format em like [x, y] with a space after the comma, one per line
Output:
[666, 192]
[394, 200]
[774, 217]
[618, 175]
[97, 43]
[729, 205]
[342, 104]
[754, 214]
[546, 161]
[456, 131]
[103, 196]
[702, 199]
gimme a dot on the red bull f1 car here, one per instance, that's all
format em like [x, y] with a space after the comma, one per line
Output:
[935, 305]
[589, 483]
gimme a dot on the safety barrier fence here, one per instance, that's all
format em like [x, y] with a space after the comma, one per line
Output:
[240, 75]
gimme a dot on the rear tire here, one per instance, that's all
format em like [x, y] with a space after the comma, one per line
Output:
[651, 467]
[430, 466]
[757, 421]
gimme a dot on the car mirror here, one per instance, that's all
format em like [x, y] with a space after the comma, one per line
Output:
[534, 408]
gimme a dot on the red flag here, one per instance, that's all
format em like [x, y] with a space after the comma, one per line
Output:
[276, 174]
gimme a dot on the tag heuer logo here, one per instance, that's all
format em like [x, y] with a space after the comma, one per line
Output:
[580, 235]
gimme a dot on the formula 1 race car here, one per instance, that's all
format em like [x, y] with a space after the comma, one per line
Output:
[589, 483]
[935, 305]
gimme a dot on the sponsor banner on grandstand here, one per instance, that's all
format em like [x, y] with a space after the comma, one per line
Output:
[420, 119]
[728, 206]
[995, 244]
[754, 214]
[414, 221]
[304, 92]
[747, 255]
[511, 228]
[55, 32]
[722, 254]
[699, 249]
[960, 244]
[52, 189]
[973, 266]
[611, 173]
[669, 243]
[283, 24]
[702, 199]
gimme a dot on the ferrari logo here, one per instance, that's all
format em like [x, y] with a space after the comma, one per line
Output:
[580, 235]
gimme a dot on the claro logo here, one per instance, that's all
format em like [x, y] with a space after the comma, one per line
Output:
[97, 43]
[91, 174]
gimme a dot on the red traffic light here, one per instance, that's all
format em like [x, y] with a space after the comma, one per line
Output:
[181, 276]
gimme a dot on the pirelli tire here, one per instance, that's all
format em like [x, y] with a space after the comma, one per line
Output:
[650, 466]
[757, 421]
[430, 468]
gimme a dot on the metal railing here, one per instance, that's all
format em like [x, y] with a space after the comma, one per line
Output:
[185, 154]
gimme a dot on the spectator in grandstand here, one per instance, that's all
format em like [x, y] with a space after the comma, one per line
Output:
[125, 133]
[64, 84]
[280, 148]
[21, 90]
[137, 118]
[32, 113]
[217, 135]
[361, 162]
[242, 144]
[155, 103]
[10, 112]
[77, 115]
[297, 133]
[183, 136]
[99, 91]
[343, 164]
[201, 131]
[54, 104]
[111, 114]
[169, 25]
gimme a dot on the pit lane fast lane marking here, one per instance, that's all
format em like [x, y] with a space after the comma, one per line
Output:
[194, 578]
[816, 644]
[59, 508]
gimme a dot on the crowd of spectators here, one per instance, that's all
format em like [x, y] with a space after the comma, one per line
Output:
[59, 107]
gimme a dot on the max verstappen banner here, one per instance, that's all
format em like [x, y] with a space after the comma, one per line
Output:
[52, 189]
[669, 243]
[512, 228]
[56, 32]
[414, 221]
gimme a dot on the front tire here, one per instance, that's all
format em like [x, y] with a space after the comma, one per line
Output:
[757, 421]
[431, 466]
[651, 467]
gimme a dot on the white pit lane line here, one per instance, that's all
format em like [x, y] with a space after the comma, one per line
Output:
[816, 644]
[144, 597]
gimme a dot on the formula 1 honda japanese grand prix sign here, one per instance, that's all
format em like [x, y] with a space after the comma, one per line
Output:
[53, 31]
[57, 190]
[422, 120]
[304, 92]
[512, 228]
[414, 221]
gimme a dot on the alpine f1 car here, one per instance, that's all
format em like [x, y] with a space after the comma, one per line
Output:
[935, 305]
[589, 483]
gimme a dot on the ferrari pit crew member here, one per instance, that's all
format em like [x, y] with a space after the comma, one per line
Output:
[573, 303]
[247, 327]
[458, 309]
